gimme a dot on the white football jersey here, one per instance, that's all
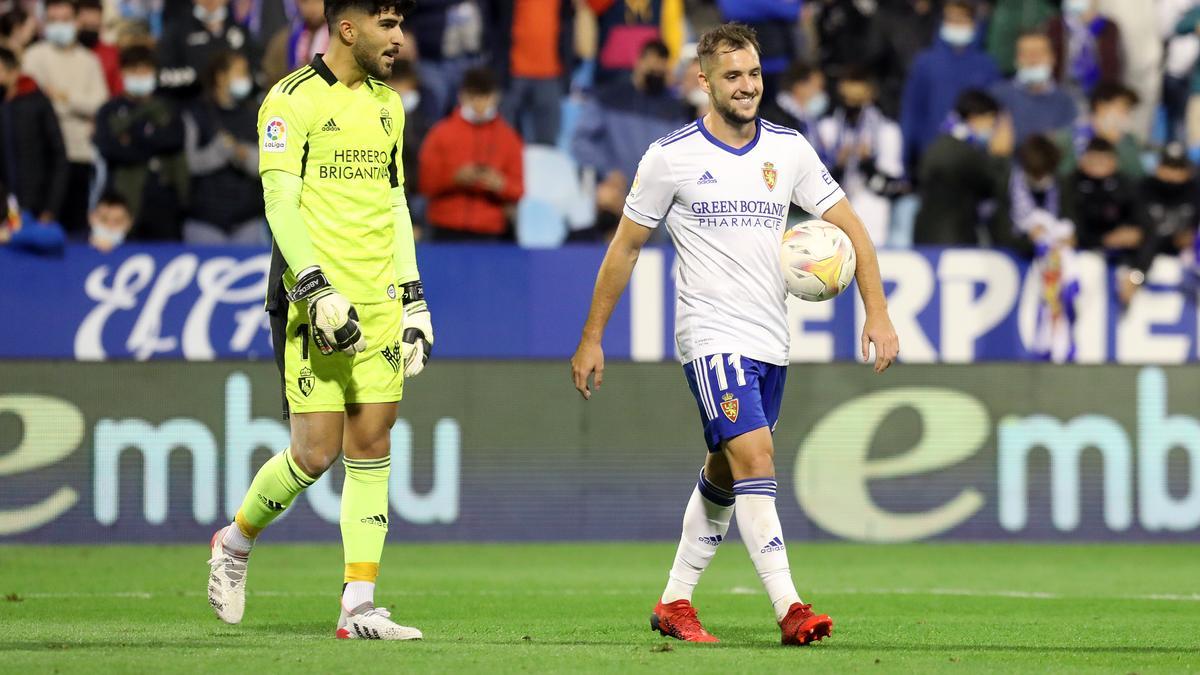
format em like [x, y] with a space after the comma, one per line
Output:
[726, 210]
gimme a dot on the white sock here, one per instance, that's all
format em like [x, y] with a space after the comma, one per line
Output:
[759, 524]
[705, 523]
[356, 593]
[235, 542]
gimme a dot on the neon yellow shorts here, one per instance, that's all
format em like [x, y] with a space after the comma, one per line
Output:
[314, 382]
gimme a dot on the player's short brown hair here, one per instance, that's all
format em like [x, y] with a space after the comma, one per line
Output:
[727, 37]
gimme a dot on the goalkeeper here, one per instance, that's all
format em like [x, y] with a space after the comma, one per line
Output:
[348, 316]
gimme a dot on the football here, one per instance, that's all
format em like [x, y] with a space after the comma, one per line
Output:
[817, 259]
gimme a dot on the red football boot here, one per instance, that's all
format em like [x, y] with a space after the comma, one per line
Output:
[802, 627]
[678, 620]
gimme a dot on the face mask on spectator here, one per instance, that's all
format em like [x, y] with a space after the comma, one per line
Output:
[655, 83]
[488, 114]
[956, 35]
[410, 100]
[89, 38]
[1034, 75]
[138, 85]
[108, 236]
[215, 16]
[817, 105]
[240, 88]
[61, 33]
[1077, 7]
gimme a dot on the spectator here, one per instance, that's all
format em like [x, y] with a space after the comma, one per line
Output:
[90, 21]
[110, 222]
[1035, 192]
[625, 27]
[18, 30]
[773, 22]
[939, 74]
[1181, 52]
[898, 32]
[840, 27]
[864, 151]
[471, 167]
[140, 135]
[622, 119]
[33, 160]
[964, 177]
[1035, 198]
[1011, 19]
[1189, 26]
[1111, 119]
[1087, 46]
[1103, 205]
[695, 100]
[416, 127]
[71, 76]
[1031, 98]
[294, 46]
[800, 103]
[221, 142]
[449, 36]
[190, 42]
[1171, 200]
[536, 48]
[1141, 57]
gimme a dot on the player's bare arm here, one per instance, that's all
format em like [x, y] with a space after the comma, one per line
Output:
[611, 281]
[878, 329]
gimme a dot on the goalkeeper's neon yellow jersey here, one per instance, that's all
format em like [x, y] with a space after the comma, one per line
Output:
[345, 145]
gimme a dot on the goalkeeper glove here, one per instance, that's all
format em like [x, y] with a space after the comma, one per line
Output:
[417, 342]
[333, 319]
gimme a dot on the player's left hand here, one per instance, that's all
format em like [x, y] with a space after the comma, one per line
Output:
[417, 341]
[879, 331]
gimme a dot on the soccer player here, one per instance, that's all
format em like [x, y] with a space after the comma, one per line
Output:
[723, 185]
[348, 316]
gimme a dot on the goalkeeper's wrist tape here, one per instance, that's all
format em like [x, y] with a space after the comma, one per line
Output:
[308, 283]
[413, 291]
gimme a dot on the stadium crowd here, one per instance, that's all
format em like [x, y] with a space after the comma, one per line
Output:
[1042, 125]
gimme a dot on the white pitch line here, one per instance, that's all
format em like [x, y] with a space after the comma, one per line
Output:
[736, 590]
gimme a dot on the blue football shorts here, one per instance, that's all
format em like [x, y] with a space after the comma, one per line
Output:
[735, 395]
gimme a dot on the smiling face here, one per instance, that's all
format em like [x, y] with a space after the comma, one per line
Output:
[374, 40]
[733, 80]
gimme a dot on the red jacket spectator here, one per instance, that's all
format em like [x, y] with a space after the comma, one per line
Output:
[471, 173]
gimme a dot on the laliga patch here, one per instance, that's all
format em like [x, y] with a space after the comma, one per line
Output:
[729, 406]
[633, 188]
[275, 135]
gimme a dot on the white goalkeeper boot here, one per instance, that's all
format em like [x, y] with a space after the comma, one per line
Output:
[226, 582]
[368, 622]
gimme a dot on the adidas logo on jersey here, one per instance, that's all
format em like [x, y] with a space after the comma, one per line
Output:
[706, 179]
[380, 520]
[330, 126]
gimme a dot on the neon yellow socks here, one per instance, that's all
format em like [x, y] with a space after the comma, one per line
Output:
[274, 489]
[364, 525]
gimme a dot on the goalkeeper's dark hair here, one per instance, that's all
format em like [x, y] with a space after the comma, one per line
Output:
[8, 59]
[334, 9]
[138, 55]
[728, 37]
[975, 103]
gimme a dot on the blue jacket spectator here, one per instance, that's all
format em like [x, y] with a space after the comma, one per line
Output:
[623, 118]
[1035, 103]
[952, 65]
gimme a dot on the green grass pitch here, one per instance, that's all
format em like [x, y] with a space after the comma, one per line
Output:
[584, 608]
